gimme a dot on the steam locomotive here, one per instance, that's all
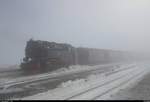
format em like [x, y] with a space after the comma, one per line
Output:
[47, 56]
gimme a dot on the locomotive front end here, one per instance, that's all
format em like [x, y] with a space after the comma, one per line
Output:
[46, 56]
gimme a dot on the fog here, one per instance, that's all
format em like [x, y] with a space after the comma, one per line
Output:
[107, 24]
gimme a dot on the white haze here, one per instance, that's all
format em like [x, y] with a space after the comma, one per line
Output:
[109, 24]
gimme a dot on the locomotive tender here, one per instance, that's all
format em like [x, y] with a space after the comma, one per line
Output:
[47, 56]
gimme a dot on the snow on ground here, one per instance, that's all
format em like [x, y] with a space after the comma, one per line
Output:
[137, 91]
[71, 88]
[60, 72]
[115, 94]
[4, 68]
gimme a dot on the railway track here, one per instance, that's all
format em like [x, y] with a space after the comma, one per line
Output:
[101, 90]
[22, 84]
[98, 97]
[46, 76]
[87, 87]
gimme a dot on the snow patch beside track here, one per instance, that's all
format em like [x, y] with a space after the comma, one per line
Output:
[70, 89]
[63, 71]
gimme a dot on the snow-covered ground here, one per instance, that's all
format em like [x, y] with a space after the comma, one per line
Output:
[57, 73]
[139, 90]
[7, 67]
[99, 83]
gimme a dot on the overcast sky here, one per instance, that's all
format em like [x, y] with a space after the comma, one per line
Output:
[111, 24]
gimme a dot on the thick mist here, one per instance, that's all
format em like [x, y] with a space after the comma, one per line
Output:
[106, 24]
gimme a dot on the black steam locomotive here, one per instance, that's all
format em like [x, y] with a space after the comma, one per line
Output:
[46, 56]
